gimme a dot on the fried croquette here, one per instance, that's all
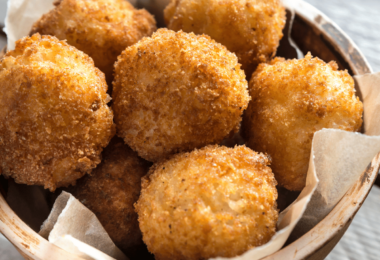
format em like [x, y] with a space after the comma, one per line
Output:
[216, 201]
[175, 92]
[291, 100]
[54, 120]
[252, 29]
[112, 189]
[100, 28]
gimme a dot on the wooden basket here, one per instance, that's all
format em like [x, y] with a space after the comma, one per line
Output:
[312, 31]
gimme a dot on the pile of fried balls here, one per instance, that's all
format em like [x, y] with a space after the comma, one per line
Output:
[130, 119]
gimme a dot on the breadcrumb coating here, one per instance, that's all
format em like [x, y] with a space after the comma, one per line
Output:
[54, 120]
[252, 29]
[291, 100]
[100, 28]
[175, 92]
[216, 201]
[111, 190]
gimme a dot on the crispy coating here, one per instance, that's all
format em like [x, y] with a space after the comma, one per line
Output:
[100, 28]
[112, 189]
[291, 100]
[252, 29]
[54, 120]
[176, 92]
[216, 201]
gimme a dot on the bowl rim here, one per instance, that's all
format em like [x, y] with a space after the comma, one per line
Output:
[318, 238]
[327, 233]
[335, 36]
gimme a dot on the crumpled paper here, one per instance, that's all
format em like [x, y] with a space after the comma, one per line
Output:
[74, 227]
[369, 88]
[337, 158]
[79, 248]
[21, 14]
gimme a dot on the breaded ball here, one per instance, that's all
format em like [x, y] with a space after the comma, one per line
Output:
[100, 28]
[252, 29]
[291, 100]
[216, 201]
[111, 190]
[175, 92]
[54, 120]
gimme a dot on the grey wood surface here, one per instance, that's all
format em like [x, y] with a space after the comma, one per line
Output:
[360, 19]
[362, 239]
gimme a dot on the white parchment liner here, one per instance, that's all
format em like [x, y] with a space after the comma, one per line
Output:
[70, 221]
[337, 159]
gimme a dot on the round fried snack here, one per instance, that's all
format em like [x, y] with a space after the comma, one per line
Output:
[251, 29]
[100, 28]
[291, 100]
[54, 120]
[176, 92]
[216, 201]
[111, 190]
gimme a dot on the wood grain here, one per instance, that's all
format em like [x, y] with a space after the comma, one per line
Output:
[360, 20]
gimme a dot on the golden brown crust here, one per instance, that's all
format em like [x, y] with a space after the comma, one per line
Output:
[54, 120]
[291, 100]
[251, 29]
[176, 92]
[111, 190]
[215, 201]
[100, 28]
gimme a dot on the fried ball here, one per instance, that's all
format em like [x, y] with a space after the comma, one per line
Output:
[100, 28]
[216, 201]
[291, 100]
[111, 190]
[175, 92]
[54, 120]
[251, 29]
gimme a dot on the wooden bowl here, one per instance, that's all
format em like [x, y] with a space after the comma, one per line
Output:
[312, 31]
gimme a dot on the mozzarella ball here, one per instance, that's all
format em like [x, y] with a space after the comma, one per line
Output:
[110, 192]
[54, 118]
[175, 92]
[291, 100]
[252, 29]
[216, 201]
[100, 28]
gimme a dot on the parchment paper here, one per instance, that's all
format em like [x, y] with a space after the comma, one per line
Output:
[338, 158]
[369, 88]
[70, 221]
[21, 15]
[79, 248]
